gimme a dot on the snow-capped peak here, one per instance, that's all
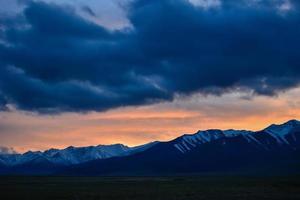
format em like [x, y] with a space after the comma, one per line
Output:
[279, 131]
[285, 127]
[189, 141]
[283, 134]
[74, 155]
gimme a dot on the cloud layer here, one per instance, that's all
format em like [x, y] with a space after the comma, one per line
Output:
[7, 150]
[53, 59]
[138, 125]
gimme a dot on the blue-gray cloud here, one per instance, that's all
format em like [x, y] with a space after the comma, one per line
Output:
[7, 150]
[54, 60]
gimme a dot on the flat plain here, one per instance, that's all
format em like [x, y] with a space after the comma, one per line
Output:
[150, 188]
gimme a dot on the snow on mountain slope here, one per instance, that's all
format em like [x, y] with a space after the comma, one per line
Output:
[279, 132]
[18, 159]
[274, 136]
[73, 155]
[188, 142]
[211, 151]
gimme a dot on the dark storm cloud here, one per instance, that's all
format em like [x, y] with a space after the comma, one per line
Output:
[57, 61]
[29, 93]
[55, 21]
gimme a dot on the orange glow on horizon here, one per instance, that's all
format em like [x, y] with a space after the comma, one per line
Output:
[138, 125]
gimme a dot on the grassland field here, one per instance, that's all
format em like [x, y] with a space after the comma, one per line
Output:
[150, 188]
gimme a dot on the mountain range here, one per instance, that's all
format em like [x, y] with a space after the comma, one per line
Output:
[274, 150]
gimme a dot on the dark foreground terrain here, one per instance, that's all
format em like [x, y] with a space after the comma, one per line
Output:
[164, 188]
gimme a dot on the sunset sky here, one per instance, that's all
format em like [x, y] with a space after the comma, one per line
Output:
[89, 72]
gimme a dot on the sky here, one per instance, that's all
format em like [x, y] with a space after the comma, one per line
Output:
[89, 72]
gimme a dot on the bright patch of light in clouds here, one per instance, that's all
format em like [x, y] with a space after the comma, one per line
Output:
[285, 6]
[111, 14]
[206, 3]
[108, 13]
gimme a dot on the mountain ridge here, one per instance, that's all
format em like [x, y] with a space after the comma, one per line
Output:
[73, 155]
[204, 151]
[247, 151]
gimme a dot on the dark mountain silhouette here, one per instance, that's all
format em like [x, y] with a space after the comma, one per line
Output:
[274, 150]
